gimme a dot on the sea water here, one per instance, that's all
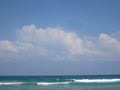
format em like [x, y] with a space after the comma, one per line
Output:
[83, 82]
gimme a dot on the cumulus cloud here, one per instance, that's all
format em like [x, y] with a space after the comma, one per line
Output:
[57, 44]
[109, 41]
[55, 37]
[7, 46]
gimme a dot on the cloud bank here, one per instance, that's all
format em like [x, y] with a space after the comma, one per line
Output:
[57, 44]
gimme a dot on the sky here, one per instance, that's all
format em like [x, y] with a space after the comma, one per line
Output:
[59, 37]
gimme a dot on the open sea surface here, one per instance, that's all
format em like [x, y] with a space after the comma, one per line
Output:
[83, 82]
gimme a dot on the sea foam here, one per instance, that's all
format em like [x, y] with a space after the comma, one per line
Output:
[11, 83]
[96, 80]
[51, 83]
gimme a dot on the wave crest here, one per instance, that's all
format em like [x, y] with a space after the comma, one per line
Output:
[96, 80]
[11, 83]
[51, 83]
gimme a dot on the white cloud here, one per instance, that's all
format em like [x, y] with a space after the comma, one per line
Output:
[57, 44]
[109, 42]
[7, 50]
[7, 46]
[54, 36]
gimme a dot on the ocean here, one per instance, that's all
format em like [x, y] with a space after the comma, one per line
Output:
[82, 82]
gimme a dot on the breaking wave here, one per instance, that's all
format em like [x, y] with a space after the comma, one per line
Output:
[11, 83]
[52, 83]
[65, 82]
[96, 80]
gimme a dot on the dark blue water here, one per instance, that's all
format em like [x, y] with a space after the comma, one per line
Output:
[84, 82]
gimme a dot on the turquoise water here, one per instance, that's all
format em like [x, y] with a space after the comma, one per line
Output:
[84, 82]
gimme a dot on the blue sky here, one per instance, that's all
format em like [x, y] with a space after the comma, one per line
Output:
[59, 37]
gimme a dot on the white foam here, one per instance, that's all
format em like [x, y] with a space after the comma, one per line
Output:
[51, 83]
[96, 80]
[11, 83]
